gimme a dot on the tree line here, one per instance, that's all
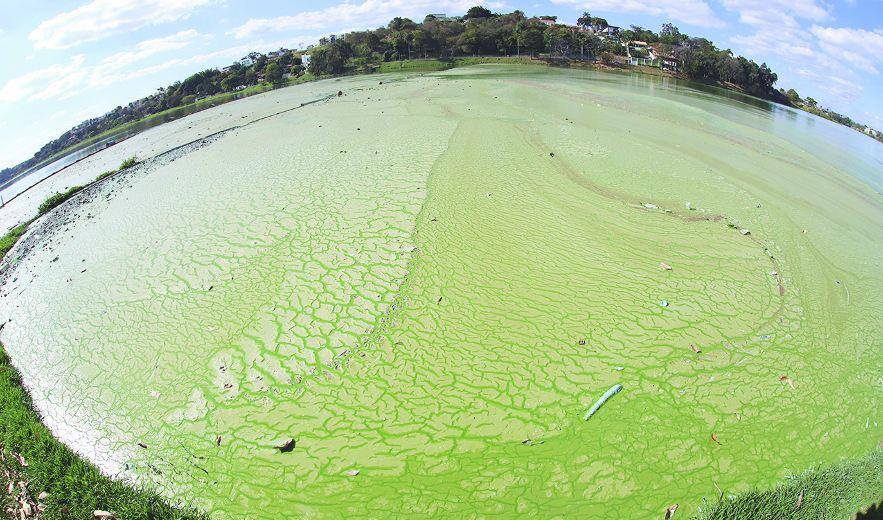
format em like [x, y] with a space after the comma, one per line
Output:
[478, 32]
[250, 70]
[481, 32]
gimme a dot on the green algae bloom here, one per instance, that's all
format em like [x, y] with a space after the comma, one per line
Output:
[420, 286]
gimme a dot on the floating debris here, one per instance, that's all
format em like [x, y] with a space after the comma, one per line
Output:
[352, 472]
[663, 303]
[665, 266]
[142, 445]
[744, 231]
[649, 206]
[695, 348]
[218, 440]
[287, 446]
[607, 395]
[670, 511]
[786, 379]
[531, 442]
[582, 341]
[619, 369]
[714, 438]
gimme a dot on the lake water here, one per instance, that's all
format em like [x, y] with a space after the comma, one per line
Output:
[430, 280]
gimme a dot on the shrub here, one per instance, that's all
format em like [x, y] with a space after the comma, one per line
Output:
[56, 200]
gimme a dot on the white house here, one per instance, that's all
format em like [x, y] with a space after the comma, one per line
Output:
[305, 59]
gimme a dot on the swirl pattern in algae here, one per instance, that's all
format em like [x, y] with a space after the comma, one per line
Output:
[428, 281]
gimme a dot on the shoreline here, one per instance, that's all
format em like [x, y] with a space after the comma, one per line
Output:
[381, 68]
[805, 506]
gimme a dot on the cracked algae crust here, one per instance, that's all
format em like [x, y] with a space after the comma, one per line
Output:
[413, 279]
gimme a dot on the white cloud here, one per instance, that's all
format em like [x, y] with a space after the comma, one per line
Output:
[113, 68]
[860, 47]
[776, 13]
[369, 13]
[62, 81]
[835, 85]
[693, 12]
[50, 82]
[99, 19]
[777, 26]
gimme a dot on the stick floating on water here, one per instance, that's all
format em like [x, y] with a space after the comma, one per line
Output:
[607, 395]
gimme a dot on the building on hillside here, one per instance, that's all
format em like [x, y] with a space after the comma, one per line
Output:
[246, 61]
[548, 20]
[305, 59]
[871, 132]
[439, 16]
[669, 63]
[611, 31]
[639, 53]
[665, 60]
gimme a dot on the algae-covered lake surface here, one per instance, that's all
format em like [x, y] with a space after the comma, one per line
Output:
[427, 281]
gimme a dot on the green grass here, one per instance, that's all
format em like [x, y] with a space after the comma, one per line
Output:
[128, 163]
[54, 477]
[837, 491]
[11, 237]
[73, 487]
[55, 200]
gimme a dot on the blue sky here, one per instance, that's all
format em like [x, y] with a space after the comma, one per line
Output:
[65, 61]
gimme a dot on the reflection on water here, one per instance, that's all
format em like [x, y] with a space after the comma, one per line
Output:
[17, 185]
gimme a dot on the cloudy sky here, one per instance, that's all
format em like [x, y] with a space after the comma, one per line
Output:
[68, 60]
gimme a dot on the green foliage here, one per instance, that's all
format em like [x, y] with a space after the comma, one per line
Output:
[128, 163]
[702, 61]
[331, 59]
[56, 200]
[479, 33]
[11, 237]
[105, 175]
[273, 73]
[74, 487]
[838, 491]
[478, 12]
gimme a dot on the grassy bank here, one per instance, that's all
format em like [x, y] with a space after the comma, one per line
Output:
[40, 475]
[837, 491]
[46, 476]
